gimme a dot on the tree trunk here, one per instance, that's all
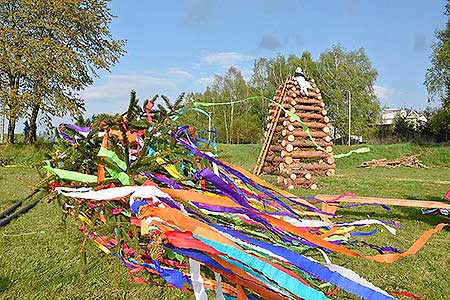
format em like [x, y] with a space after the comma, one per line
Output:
[11, 129]
[32, 136]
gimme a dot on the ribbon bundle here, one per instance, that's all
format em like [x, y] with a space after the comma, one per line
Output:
[176, 215]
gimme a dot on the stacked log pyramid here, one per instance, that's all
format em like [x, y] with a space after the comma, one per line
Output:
[288, 151]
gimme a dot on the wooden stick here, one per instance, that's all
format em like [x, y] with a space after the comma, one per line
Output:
[388, 201]
[268, 139]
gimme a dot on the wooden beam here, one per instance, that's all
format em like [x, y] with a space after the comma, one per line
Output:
[385, 201]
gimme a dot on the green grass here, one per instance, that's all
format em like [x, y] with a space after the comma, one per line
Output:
[40, 256]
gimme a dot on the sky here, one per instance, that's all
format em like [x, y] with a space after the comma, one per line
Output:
[178, 46]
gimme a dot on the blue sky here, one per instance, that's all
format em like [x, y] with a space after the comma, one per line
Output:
[175, 46]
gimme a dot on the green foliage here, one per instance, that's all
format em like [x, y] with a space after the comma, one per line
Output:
[439, 124]
[236, 122]
[24, 154]
[344, 76]
[49, 51]
[437, 79]
[402, 127]
[340, 75]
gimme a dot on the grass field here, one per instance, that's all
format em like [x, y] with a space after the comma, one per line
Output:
[40, 256]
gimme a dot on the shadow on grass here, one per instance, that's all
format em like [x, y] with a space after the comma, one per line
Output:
[4, 284]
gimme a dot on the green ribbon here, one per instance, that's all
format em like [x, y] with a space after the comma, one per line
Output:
[207, 104]
[292, 116]
[70, 175]
[359, 150]
[112, 157]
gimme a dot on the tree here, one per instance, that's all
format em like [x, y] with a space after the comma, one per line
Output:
[340, 75]
[270, 73]
[437, 78]
[49, 51]
[344, 76]
[238, 121]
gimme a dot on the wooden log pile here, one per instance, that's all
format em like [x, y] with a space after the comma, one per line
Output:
[407, 161]
[289, 152]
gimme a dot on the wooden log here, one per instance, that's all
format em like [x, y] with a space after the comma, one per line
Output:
[291, 138]
[314, 166]
[311, 172]
[271, 170]
[312, 125]
[299, 173]
[298, 181]
[301, 133]
[331, 172]
[302, 107]
[303, 100]
[387, 201]
[305, 154]
[274, 159]
[276, 148]
[307, 143]
[305, 117]
[289, 147]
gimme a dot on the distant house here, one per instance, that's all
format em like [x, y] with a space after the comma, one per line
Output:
[388, 115]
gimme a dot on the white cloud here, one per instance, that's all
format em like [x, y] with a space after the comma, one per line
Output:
[179, 74]
[204, 81]
[117, 87]
[383, 92]
[225, 58]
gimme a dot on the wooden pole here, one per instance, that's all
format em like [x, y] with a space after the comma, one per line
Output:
[269, 136]
[387, 201]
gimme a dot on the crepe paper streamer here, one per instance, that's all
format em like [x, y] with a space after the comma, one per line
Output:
[377, 293]
[242, 177]
[291, 115]
[70, 175]
[359, 151]
[313, 267]
[281, 278]
[385, 207]
[135, 192]
[369, 233]
[218, 290]
[197, 280]
[169, 168]
[112, 156]
[304, 126]
[196, 103]
[83, 131]
[406, 294]
[122, 176]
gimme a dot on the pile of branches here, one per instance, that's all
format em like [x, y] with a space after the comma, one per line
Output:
[407, 161]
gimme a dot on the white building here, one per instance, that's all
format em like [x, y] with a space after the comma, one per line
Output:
[389, 114]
